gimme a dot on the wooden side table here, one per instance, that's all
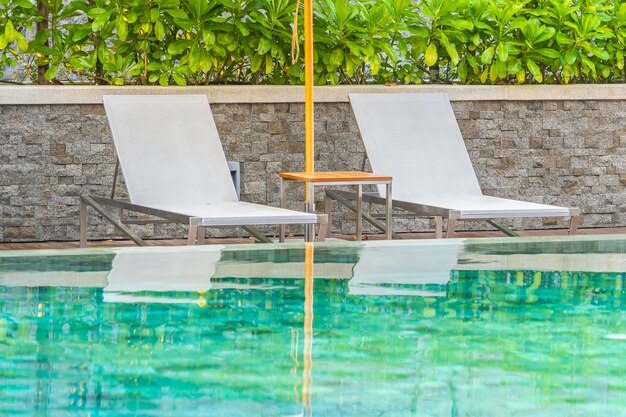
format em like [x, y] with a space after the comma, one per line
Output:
[357, 178]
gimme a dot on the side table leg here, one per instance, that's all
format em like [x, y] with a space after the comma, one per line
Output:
[281, 235]
[359, 211]
[309, 229]
[328, 209]
[388, 216]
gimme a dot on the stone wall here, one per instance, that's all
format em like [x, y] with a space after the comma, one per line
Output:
[566, 152]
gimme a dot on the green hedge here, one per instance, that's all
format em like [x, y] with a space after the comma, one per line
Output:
[381, 41]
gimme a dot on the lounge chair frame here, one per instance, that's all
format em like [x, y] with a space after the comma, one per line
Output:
[196, 235]
[107, 206]
[439, 212]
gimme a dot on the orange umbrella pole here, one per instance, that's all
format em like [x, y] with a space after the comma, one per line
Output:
[308, 89]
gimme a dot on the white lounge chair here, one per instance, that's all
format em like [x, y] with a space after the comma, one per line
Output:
[415, 138]
[175, 168]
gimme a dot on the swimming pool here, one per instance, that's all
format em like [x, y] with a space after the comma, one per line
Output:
[482, 327]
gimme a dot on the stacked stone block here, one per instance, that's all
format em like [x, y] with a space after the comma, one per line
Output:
[570, 153]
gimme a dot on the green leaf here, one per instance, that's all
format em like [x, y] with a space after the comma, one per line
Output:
[255, 63]
[131, 17]
[471, 60]
[208, 37]
[264, 46]
[95, 12]
[462, 70]
[109, 67]
[588, 63]
[375, 64]
[25, 4]
[159, 30]
[51, 72]
[349, 67]
[570, 56]
[462, 24]
[487, 55]
[600, 53]
[484, 75]
[452, 53]
[224, 38]
[46, 50]
[493, 73]
[534, 69]
[268, 64]
[242, 28]
[81, 35]
[502, 53]
[9, 32]
[336, 58]
[154, 15]
[549, 53]
[3, 42]
[177, 14]
[430, 56]
[121, 28]
[500, 68]
[177, 47]
[564, 39]
[354, 48]
[179, 80]
[515, 66]
[102, 19]
[22, 43]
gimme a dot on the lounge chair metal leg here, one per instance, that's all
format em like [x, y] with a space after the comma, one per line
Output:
[451, 224]
[347, 204]
[113, 220]
[574, 220]
[83, 224]
[193, 234]
[438, 227]
[195, 225]
[389, 207]
[323, 221]
[359, 211]
[281, 234]
[503, 228]
[200, 238]
[256, 233]
[328, 209]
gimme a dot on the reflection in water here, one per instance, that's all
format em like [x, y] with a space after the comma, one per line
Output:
[308, 329]
[498, 343]
[431, 332]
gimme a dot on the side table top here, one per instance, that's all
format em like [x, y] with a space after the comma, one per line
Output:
[338, 176]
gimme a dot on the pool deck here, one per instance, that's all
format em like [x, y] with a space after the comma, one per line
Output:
[182, 242]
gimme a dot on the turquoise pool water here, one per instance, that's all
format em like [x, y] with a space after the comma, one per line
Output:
[457, 328]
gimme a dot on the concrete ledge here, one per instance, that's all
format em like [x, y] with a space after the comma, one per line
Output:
[31, 94]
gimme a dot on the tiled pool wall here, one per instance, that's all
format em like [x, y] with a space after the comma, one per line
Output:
[569, 152]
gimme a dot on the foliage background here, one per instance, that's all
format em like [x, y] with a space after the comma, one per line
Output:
[195, 42]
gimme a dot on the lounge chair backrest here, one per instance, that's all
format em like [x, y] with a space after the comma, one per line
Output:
[415, 138]
[169, 149]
